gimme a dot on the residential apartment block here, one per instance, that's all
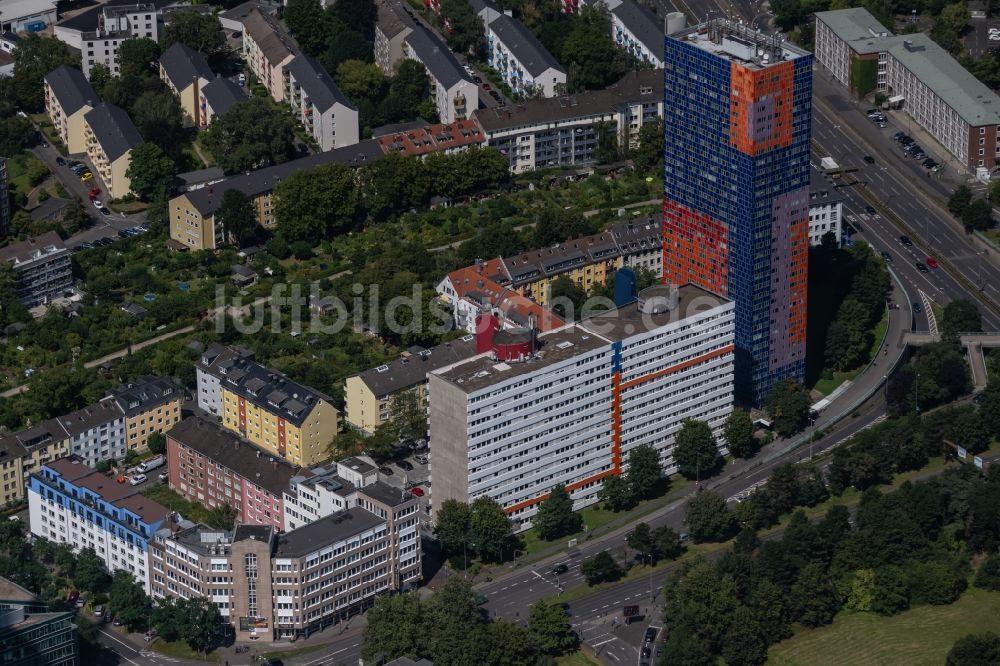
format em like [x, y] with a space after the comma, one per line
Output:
[455, 94]
[322, 491]
[393, 24]
[12, 456]
[521, 60]
[212, 466]
[42, 267]
[826, 210]
[318, 104]
[186, 72]
[369, 396]
[534, 410]
[192, 214]
[4, 198]
[150, 405]
[282, 417]
[635, 29]
[216, 97]
[418, 138]
[96, 432]
[70, 503]
[562, 131]
[116, 23]
[941, 96]
[271, 586]
[110, 137]
[68, 97]
[744, 232]
[587, 261]
[266, 51]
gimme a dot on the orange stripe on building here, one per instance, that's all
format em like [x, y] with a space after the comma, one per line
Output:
[569, 488]
[680, 366]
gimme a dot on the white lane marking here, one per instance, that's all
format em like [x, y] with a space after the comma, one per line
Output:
[603, 642]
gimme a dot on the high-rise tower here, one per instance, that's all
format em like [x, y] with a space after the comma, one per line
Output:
[736, 187]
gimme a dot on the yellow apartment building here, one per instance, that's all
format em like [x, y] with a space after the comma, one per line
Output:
[150, 404]
[68, 97]
[110, 137]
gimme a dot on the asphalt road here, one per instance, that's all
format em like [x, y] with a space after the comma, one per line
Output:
[900, 185]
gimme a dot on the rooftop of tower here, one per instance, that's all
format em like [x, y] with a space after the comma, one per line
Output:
[740, 43]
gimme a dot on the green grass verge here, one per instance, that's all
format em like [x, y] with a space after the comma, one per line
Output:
[164, 495]
[297, 652]
[594, 517]
[919, 636]
[181, 650]
[578, 658]
[18, 168]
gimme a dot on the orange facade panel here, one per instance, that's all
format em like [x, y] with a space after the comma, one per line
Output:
[761, 103]
[695, 249]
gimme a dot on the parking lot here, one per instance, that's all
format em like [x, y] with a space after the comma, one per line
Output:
[411, 473]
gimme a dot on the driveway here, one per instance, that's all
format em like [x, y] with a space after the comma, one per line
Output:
[104, 227]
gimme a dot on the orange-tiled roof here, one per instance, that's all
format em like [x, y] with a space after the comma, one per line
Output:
[433, 138]
[475, 285]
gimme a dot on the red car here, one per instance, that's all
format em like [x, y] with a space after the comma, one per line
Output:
[932, 262]
[418, 491]
[486, 87]
[93, 193]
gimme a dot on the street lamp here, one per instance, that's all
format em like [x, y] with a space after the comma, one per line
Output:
[516, 551]
[916, 386]
[650, 556]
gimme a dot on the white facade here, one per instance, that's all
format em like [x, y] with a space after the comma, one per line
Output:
[325, 492]
[572, 413]
[26, 15]
[209, 392]
[319, 105]
[521, 60]
[116, 24]
[825, 216]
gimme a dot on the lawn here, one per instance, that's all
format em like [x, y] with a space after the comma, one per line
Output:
[919, 636]
[578, 658]
[180, 650]
[164, 495]
[19, 168]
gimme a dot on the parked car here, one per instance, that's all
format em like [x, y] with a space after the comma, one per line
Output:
[105, 212]
[385, 469]
[421, 459]
[886, 256]
[417, 491]
[98, 611]
[871, 210]
[163, 476]
[242, 78]
[86, 176]
[97, 203]
[60, 161]
[486, 87]
[932, 262]
[650, 635]
[406, 464]
[137, 479]
[917, 308]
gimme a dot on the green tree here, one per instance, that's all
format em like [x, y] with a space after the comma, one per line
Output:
[591, 58]
[393, 627]
[555, 517]
[222, 517]
[489, 528]
[601, 568]
[202, 32]
[978, 215]
[34, 57]
[200, 623]
[100, 76]
[466, 36]
[15, 135]
[157, 442]
[251, 135]
[744, 643]
[616, 494]
[738, 431]
[316, 203]
[666, 543]
[788, 405]
[510, 645]
[890, 594]
[129, 601]
[644, 471]
[684, 649]
[959, 200]
[167, 618]
[783, 488]
[961, 316]
[696, 453]
[648, 156]
[949, 26]
[159, 119]
[307, 21]
[640, 539]
[708, 518]
[813, 597]
[566, 297]
[89, 573]
[862, 591]
[138, 57]
[236, 215]
[150, 172]
[11, 310]
[975, 650]
[549, 628]
[452, 527]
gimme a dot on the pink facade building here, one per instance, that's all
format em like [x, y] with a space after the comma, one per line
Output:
[212, 466]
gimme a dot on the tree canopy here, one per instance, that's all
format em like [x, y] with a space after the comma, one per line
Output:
[201, 32]
[35, 56]
[695, 452]
[555, 517]
[150, 172]
[252, 134]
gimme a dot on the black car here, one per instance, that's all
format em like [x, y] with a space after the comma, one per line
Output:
[104, 211]
[60, 161]
[559, 569]
[905, 240]
[406, 464]
[650, 637]
[869, 159]
[886, 256]
[921, 267]
[898, 136]
[646, 652]
[871, 210]
[386, 470]
[917, 307]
